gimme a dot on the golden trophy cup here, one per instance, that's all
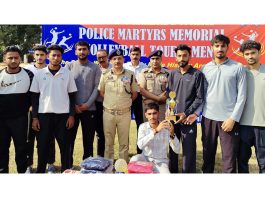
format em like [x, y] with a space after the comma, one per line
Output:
[171, 105]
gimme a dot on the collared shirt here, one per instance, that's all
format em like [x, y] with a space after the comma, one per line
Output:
[53, 90]
[135, 69]
[189, 89]
[87, 78]
[254, 110]
[117, 89]
[225, 90]
[152, 82]
[32, 68]
[156, 145]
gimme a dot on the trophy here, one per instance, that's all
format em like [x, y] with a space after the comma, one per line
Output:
[171, 106]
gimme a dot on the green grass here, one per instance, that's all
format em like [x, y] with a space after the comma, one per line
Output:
[78, 153]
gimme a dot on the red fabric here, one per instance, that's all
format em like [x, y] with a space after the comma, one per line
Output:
[140, 167]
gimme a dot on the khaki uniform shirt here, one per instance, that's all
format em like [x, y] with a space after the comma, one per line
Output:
[152, 82]
[117, 89]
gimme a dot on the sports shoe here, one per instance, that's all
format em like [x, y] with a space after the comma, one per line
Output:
[51, 169]
[29, 170]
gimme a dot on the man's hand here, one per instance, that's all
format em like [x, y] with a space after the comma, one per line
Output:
[70, 122]
[35, 124]
[162, 97]
[171, 129]
[190, 119]
[163, 125]
[83, 107]
[77, 109]
[228, 125]
[182, 116]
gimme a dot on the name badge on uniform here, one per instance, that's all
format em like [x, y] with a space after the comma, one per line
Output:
[110, 78]
[149, 76]
[125, 80]
[162, 79]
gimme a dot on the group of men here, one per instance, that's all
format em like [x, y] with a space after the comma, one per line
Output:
[103, 97]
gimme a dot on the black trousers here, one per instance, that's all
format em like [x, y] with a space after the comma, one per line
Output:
[251, 136]
[187, 134]
[30, 145]
[137, 110]
[53, 125]
[88, 122]
[229, 141]
[100, 129]
[15, 128]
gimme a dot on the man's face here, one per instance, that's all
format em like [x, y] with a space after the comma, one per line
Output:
[152, 116]
[102, 58]
[182, 58]
[40, 56]
[55, 57]
[12, 59]
[219, 50]
[251, 56]
[82, 52]
[135, 56]
[117, 62]
[155, 62]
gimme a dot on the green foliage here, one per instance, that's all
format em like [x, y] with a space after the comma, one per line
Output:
[25, 36]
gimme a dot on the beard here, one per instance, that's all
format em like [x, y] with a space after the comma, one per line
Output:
[183, 63]
[82, 57]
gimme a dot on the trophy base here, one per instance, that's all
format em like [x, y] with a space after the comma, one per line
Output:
[172, 118]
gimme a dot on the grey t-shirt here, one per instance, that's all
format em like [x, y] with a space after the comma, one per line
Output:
[87, 78]
[254, 110]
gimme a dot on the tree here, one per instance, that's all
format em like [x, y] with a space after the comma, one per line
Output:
[25, 36]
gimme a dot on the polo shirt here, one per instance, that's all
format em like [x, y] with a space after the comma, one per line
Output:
[254, 109]
[189, 88]
[53, 90]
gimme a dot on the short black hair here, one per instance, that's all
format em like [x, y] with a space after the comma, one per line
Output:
[182, 47]
[135, 49]
[152, 105]
[12, 48]
[55, 47]
[40, 48]
[82, 43]
[249, 44]
[222, 38]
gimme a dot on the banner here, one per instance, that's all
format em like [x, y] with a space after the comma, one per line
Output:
[153, 37]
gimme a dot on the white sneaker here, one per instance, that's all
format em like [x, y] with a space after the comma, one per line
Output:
[29, 170]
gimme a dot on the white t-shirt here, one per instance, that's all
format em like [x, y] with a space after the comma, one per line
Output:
[53, 90]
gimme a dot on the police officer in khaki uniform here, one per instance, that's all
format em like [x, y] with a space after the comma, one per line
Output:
[153, 83]
[118, 87]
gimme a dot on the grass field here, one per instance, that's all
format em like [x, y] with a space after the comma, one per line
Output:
[78, 153]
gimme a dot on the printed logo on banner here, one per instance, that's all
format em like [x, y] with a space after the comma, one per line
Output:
[60, 38]
[250, 35]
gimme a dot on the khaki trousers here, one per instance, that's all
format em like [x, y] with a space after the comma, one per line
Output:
[121, 123]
